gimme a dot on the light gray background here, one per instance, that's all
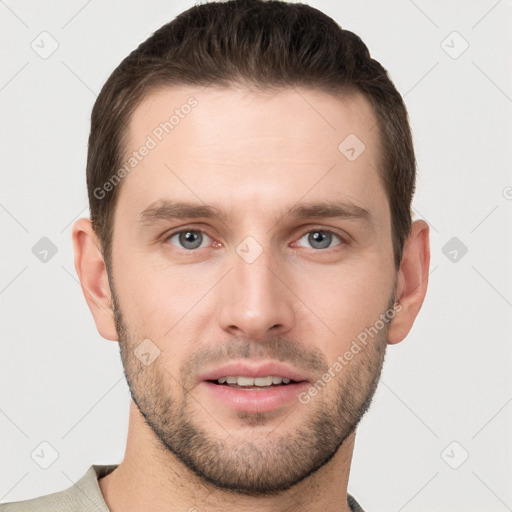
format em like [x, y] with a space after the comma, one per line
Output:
[61, 383]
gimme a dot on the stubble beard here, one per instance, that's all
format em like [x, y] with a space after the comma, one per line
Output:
[266, 464]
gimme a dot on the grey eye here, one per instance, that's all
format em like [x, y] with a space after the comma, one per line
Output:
[319, 239]
[189, 239]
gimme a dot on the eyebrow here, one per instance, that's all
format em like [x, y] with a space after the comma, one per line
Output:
[170, 210]
[330, 210]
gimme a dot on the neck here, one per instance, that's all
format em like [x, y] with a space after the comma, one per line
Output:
[151, 475]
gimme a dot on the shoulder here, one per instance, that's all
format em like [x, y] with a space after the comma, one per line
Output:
[353, 504]
[83, 496]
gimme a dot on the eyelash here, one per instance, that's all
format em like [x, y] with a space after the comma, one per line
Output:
[314, 230]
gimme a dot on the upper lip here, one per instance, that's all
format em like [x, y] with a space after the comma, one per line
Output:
[269, 369]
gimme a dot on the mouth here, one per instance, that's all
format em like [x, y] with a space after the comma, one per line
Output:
[261, 375]
[257, 387]
[253, 383]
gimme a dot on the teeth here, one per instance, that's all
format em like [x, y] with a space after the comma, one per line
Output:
[245, 381]
[263, 381]
[249, 381]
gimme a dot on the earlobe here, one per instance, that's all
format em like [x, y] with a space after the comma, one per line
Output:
[412, 281]
[91, 270]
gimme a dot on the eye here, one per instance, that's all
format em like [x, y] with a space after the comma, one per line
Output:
[188, 239]
[320, 238]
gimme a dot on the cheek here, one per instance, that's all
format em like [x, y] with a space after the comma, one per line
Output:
[347, 299]
[156, 297]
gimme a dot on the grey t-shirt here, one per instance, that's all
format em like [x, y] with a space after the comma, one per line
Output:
[85, 496]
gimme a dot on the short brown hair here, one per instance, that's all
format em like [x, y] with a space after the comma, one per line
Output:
[257, 43]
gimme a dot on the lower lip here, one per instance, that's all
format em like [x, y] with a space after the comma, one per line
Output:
[256, 400]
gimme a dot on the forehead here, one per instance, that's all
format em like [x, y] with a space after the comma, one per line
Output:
[213, 143]
[302, 116]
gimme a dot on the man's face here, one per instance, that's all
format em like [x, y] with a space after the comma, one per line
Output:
[262, 284]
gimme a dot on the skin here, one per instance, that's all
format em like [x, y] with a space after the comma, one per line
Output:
[255, 155]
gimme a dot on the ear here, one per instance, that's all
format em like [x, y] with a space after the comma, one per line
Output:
[412, 281]
[91, 270]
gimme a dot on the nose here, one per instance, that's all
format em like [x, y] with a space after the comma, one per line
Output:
[255, 300]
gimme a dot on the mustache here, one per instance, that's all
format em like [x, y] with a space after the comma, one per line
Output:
[277, 348]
